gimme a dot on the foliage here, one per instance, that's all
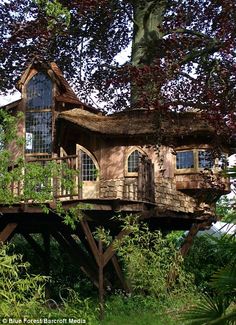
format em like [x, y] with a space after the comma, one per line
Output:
[182, 51]
[208, 256]
[141, 310]
[151, 263]
[23, 295]
[219, 308]
[63, 273]
[225, 208]
[18, 290]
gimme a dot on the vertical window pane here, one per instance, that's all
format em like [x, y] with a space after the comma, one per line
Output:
[38, 117]
[205, 159]
[39, 92]
[133, 161]
[184, 159]
[38, 132]
[88, 168]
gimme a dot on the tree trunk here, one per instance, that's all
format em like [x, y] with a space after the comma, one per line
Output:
[148, 18]
[147, 37]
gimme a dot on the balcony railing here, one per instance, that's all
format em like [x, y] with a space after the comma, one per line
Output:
[58, 178]
[45, 179]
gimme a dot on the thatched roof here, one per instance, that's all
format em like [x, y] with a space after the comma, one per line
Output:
[136, 122]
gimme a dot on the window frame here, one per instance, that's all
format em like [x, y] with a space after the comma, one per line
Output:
[197, 168]
[186, 169]
[80, 148]
[39, 110]
[128, 154]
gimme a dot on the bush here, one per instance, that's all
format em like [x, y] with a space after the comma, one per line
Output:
[152, 264]
[206, 256]
[19, 292]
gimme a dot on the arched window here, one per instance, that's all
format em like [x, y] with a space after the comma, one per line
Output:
[88, 165]
[38, 116]
[133, 161]
[88, 169]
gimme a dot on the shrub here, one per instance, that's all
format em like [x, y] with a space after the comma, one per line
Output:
[152, 264]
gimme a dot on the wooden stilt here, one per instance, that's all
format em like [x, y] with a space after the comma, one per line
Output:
[34, 245]
[91, 240]
[192, 234]
[7, 232]
[119, 273]
[108, 255]
[46, 261]
[101, 282]
[111, 250]
[79, 257]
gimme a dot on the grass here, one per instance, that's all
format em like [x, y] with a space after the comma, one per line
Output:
[138, 310]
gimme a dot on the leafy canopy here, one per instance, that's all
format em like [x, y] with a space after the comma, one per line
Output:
[183, 52]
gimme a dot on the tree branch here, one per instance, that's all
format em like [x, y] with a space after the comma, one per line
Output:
[130, 16]
[189, 32]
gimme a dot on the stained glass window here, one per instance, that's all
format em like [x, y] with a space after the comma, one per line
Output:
[38, 118]
[133, 161]
[88, 169]
[184, 159]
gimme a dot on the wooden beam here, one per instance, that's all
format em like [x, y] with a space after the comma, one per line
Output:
[46, 258]
[101, 280]
[110, 251]
[192, 234]
[91, 241]
[34, 244]
[119, 273]
[7, 231]
[79, 257]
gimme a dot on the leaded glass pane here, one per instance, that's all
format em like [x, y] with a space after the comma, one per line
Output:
[133, 161]
[38, 132]
[88, 168]
[205, 159]
[184, 159]
[39, 92]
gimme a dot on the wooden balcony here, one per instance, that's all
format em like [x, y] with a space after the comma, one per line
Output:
[59, 179]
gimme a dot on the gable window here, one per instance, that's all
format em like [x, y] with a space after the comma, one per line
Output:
[184, 159]
[38, 116]
[88, 169]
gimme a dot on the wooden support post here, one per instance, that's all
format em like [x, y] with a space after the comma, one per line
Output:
[110, 251]
[7, 232]
[119, 273]
[78, 256]
[46, 261]
[192, 234]
[101, 282]
[189, 240]
[108, 255]
[34, 245]
[46, 243]
[90, 239]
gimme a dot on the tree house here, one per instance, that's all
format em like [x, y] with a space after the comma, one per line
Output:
[129, 162]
